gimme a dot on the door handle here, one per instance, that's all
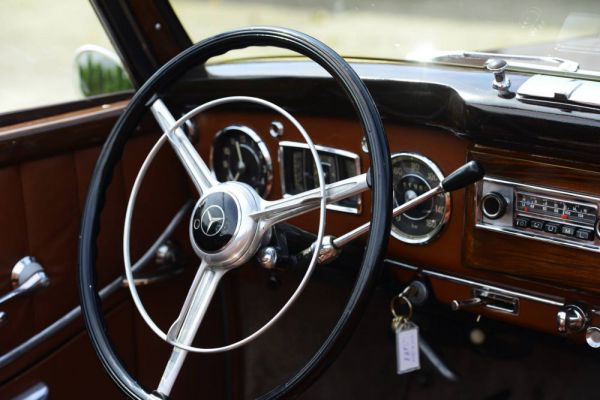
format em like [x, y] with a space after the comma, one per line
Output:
[27, 276]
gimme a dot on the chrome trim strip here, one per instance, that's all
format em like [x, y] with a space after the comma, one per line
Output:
[39, 391]
[324, 149]
[545, 299]
[544, 189]
[62, 322]
[528, 234]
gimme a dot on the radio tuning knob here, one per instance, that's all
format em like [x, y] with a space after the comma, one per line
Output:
[493, 205]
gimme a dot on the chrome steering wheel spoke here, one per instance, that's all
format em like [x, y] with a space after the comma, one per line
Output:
[252, 236]
[187, 154]
[274, 212]
[184, 329]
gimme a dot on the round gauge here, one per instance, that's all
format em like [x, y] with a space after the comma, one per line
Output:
[413, 176]
[239, 154]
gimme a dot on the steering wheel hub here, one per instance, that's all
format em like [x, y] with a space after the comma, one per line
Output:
[221, 230]
[214, 222]
[231, 221]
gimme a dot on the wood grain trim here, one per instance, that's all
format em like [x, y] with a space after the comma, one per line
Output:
[538, 261]
[57, 134]
[61, 121]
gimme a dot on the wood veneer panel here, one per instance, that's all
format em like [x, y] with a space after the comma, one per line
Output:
[522, 257]
[493, 262]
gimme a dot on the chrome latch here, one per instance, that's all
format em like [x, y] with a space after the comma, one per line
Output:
[488, 299]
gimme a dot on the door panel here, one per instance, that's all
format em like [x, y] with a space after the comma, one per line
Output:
[45, 168]
[72, 371]
[50, 200]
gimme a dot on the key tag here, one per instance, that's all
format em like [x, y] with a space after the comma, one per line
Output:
[407, 336]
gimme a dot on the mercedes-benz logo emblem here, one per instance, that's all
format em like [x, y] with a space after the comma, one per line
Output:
[212, 220]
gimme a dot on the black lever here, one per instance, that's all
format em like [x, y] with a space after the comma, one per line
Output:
[463, 176]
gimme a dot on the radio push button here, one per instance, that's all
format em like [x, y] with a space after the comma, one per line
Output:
[551, 228]
[521, 222]
[536, 224]
[584, 234]
[567, 230]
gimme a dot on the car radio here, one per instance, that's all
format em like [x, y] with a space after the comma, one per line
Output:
[539, 213]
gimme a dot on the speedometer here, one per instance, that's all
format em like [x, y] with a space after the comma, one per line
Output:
[413, 176]
[239, 154]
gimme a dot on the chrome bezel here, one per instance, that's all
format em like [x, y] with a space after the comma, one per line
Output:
[488, 214]
[262, 147]
[424, 239]
[505, 223]
[324, 149]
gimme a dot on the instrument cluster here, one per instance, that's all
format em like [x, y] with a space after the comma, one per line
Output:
[239, 154]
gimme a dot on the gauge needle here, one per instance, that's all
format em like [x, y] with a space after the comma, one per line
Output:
[241, 165]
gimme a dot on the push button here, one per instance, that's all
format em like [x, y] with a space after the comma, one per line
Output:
[536, 224]
[521, 222]
[567, 230]
[584, 234]
[551, 228]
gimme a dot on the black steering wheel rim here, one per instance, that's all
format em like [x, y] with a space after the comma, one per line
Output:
[380, 178]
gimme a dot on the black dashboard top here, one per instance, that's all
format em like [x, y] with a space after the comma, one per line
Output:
[460, 100]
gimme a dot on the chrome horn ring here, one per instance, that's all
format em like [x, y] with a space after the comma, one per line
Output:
[242, 249]
[380, 179]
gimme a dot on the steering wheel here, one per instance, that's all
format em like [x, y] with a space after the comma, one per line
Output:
[230, 221]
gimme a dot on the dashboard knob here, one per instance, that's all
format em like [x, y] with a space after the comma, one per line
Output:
[592, 337]
[267, 257]
[501, 83]
[493, 205]
[571, 319]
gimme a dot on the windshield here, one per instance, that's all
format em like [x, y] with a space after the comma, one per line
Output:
[414, 29]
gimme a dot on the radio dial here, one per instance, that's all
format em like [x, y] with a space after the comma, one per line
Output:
[493, 205]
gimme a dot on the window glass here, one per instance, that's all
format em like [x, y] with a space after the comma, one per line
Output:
[414, 29]
[38, 43]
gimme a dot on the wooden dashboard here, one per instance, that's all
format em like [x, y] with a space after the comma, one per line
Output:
[543, 278]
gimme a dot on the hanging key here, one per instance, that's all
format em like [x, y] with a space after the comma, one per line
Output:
[407, 335]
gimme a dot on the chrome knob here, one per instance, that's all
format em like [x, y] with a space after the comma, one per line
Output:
[592, 337]
[267, 257]
[571, 319]
[501, 83]
[276, 129]
[167, 253]
[493, 205]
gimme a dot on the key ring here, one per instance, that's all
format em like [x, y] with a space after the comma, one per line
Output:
[396, 302]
